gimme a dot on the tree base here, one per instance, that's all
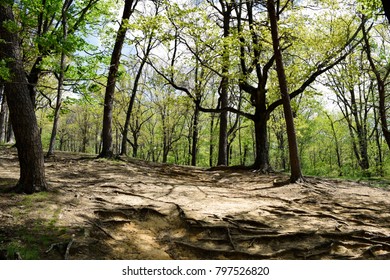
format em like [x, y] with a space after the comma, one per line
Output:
[297, 179]
[262, 169]
[106, 154]
[28, 188]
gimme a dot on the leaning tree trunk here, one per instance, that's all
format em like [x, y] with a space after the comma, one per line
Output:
[107, 151]
[296, 173]
[24, 122]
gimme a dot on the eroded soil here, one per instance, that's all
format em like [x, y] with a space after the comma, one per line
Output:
[130, 209]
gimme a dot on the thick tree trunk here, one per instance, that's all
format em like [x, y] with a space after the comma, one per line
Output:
[107, 151]
[32, 171]
[261, 143]
[296, 173]
[10, 137]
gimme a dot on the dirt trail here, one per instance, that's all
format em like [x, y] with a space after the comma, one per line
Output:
[99, 209]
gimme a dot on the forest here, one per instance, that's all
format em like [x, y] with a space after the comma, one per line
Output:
[142, 116]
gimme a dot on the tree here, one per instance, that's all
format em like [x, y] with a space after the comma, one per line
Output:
[148, 25]
[381, 75]
[61, 75]
[296, 173]
[28, 142]
[352, 86]
[111, 80]
[226, 10]
[42, 28]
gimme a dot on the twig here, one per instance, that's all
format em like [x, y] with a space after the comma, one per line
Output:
[66, 257]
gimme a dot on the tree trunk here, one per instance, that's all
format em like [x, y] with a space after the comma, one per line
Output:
[33, 78]
[195, 134]
[24, 122]
[10, 137]
[107, 151]
[337, 145]
[61, 75]
[296, 173]
[131, 105]
[261, 143]
[211, 140]
[135, 144]
[379, 157]
[3, 114]
[380, 84]
[281, 144]
[227, 8]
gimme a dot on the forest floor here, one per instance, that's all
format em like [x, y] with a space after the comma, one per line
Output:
[131, 209]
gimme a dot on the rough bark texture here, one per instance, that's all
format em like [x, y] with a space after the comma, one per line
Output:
[296, 173]
[262, 153]
[32, 171]
[107, 151]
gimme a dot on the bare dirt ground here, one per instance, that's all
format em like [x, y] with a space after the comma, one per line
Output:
[131, 209]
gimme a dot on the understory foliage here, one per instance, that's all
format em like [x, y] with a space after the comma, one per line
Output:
[177, 61]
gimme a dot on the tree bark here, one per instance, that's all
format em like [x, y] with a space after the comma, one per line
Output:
[296, 173]
[24, 122]
[107, 151]
[261, 143]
